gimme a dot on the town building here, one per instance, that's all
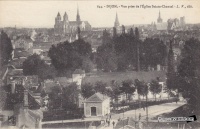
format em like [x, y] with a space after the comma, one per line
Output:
[97, 105]
[24, 42]
[66, 27]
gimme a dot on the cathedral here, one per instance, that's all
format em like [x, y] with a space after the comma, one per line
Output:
[68, 27]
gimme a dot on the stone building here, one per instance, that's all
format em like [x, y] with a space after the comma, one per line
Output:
[67, 27]
[97, 105]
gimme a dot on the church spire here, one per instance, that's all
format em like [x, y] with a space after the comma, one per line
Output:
[159, 20]
[78, 19]
[116, 20]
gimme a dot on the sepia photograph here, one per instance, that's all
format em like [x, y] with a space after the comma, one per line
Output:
[89, 64]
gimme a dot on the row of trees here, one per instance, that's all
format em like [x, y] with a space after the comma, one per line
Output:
[67, 97]
[127, 87]
[127, 51]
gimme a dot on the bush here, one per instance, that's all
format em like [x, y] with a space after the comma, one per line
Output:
[62, 115]
[137, 104]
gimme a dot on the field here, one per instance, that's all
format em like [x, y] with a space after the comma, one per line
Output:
[120, 76]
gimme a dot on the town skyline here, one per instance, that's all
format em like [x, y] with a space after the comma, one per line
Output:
[41, 14]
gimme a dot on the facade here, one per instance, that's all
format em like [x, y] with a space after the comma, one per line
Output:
[66, 27]
[97, 105]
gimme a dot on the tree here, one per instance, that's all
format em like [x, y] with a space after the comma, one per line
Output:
[69, 56]
[142, 88]
[114, 32]
[189, 74]
[87, 90]
[82, 48]
[137, 35]
[155, 88]
[123, 29]
[131, 32]
[34, 65]
[100, 87]
[5, 49]
[55, 98]
[128, 88]
[171, 75]
[106, 57]
[70, 97]
[153, 52]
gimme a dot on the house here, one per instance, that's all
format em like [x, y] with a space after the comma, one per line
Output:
[24, 42]
[30, 82]
[25, 114]
[19, 53]
[97, 105]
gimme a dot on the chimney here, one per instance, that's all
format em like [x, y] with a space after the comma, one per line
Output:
[26, 98]
[12, 87]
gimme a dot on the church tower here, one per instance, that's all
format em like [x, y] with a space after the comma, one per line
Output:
[116, 24]
[57, 26]
[65, 23]
[159, 20]
[78, 19]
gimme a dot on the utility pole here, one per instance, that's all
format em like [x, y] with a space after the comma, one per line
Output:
[146, 108]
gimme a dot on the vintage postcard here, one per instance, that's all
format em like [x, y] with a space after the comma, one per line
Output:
[100, 64]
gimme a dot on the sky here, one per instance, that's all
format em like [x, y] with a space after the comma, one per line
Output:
[42, 13]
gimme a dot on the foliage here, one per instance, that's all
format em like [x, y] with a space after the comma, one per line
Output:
[69, 56]
[5, 48]
[87, 90]
[100, 87]
[70, 97]
[171, 75]
[87, 65]
[55, 98]
[155, 88]
[34, 65]
[128, 88]
[127, 52]
[142, 88]
[106, 58]
[153, 52]
[188, 78]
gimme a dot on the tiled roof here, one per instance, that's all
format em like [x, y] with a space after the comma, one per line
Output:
[20, 53]
[97, 97]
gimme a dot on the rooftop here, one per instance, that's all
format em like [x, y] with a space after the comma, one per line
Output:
[97, 97]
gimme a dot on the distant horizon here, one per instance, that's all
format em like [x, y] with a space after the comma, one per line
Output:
[92, 26]
[41, 14]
